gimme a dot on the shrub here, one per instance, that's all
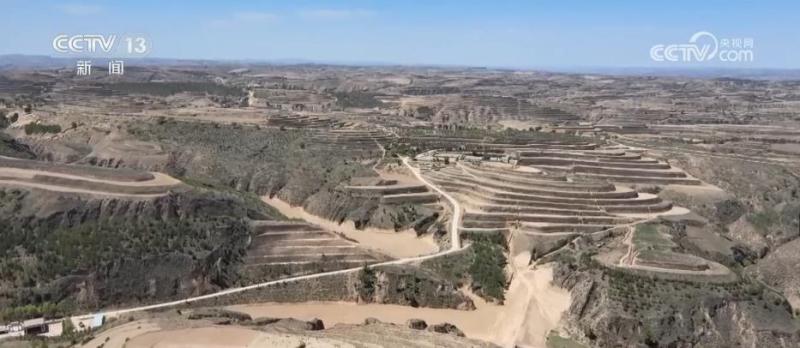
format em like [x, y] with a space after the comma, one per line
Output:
[366, 283]
[41, 128]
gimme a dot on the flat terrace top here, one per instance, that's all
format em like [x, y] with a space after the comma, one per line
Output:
[98, 173]
[84, 179]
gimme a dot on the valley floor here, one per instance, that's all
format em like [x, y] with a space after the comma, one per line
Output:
[533, 307]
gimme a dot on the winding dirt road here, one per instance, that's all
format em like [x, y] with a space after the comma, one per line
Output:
[455, 238]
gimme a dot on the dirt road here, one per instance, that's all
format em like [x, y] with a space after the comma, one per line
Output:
[455, 238]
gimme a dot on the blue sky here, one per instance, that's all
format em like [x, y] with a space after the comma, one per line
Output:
[525, 34]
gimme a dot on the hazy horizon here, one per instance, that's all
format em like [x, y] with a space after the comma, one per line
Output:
[513, 34]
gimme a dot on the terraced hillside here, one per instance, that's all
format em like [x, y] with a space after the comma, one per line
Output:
[613, 164]
[392, 191]
[361, 143]
[546, 209]
[301, 121]
[84, 179]
[547, 190]
[280, 249]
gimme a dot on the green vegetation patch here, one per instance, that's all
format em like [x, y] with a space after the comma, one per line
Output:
[654, 297]
[41, 128]
[357, 100]
[482, 265]
[42, 261]
[554, 340]
[487, 269]
[262, 161]
[367, 282]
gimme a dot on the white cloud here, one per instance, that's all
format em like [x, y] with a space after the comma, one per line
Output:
[79, 9]
[330, 14]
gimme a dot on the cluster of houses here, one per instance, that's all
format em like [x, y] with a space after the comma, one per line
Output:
[49, 327]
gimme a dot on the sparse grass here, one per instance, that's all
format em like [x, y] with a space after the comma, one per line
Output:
[453, 267]
[554, 340]
[764, 219]
[647, 236]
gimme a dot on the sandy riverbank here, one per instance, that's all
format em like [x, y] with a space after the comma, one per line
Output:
[533, 307]
[224, 337]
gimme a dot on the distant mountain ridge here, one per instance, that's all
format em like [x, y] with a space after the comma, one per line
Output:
[23, 61]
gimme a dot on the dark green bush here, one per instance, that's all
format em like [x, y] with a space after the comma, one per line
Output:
[41, 128]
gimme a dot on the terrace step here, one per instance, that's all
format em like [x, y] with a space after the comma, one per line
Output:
[76, 183]
[559, 185]
[564, 162]
[588, 155]
[94, 172]
[343, 263]
[388, 190]
[544, 211]
[643, 180]
[333, 241]
[444, 177]
[476, 224]
[521, 199]
[265, 259]
[484, 230]
[472, 216]
[268, 225]
[628, 172]
[283, 250]
[272, 237]
[639, 209]
[517, 173]
[455, 186]
[564, 228]
[421, 198]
